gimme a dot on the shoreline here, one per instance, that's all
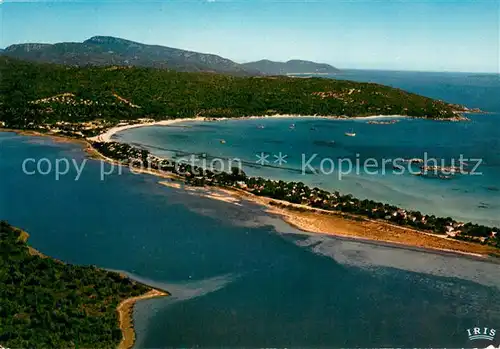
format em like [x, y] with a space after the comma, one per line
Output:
[107, 135]
[346, 227]
[125, 316]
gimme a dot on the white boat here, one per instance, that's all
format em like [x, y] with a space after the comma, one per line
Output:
[350, 134]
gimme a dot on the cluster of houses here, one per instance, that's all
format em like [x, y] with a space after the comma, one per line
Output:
[337, 95]
[133, 122]
[80, 129]
[456, 229]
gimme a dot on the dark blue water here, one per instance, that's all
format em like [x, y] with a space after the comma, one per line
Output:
[239, 277]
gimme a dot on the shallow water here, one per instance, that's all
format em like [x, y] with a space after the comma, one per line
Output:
[239, 277]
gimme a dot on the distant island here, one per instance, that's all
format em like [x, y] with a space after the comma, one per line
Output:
[50, 304]
[292, 67]
[111, 51]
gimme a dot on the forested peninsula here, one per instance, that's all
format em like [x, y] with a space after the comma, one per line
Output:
[35, 95]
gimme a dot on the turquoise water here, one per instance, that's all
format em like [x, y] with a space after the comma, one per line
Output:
[238, 276]
[473, 198]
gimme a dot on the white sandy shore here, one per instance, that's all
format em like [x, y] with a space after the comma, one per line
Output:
[106, 136]
[319, 221]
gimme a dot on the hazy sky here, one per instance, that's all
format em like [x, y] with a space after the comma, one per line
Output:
[445, 35]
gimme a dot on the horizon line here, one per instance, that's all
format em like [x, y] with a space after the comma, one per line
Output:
[279, 61]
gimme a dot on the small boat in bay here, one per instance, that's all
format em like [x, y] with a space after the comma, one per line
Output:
[223, 141]
[351, 134]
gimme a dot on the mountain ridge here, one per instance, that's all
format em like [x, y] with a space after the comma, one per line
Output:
[112, 51]
[293, 66]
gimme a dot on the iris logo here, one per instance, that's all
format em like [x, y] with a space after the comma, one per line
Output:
[481, 333]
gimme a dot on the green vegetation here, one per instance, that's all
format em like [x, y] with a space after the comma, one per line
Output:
[120, 93]
[299, 193]
[45, 303]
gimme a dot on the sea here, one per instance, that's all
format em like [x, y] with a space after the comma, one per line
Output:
[240, 277]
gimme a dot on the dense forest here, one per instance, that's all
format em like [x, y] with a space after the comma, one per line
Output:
[45, 303]
[32, 94]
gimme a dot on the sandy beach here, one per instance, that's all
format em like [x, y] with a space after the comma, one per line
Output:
[125, 309]
[106, 136]
[319, 221]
